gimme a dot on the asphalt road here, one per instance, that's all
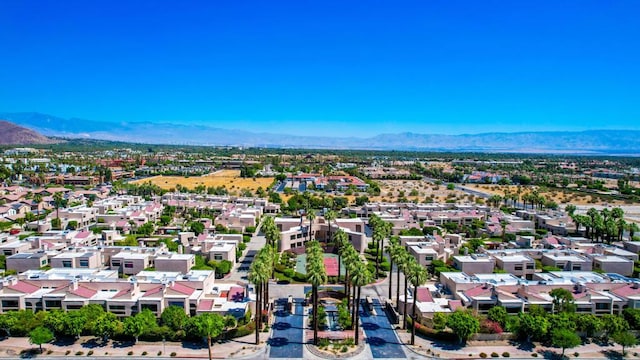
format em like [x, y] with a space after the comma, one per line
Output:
[287, 337]
[381, 337]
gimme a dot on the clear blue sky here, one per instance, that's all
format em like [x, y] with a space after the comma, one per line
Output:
[327, 67]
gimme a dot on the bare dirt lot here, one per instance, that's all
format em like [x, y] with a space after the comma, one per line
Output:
[228, 178]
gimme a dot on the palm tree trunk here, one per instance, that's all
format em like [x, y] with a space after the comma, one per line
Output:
[413, 317]
[390, 278]
[355, 305]
[346, 287]
[315, 315]
[265, 299]
[404, 311]
[397, 287]
[258, 313]
[356, 327]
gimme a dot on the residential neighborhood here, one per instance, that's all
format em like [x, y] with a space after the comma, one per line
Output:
[133, 248]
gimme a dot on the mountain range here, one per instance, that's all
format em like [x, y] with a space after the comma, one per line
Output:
[596, 142]
[12, 134]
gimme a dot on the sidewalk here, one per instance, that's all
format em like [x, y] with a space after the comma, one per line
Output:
[232, 349]
[473, 349]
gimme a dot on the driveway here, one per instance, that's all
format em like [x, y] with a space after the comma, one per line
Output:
[381, 336]
[286, 339]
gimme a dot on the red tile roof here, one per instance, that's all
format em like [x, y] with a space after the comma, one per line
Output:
[83, 292]
[24, 287]
[236, 294]
[205, 305]
[424, 295]
[183, 289]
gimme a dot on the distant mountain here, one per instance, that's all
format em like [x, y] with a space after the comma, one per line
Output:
[622, 142]
[12, 134]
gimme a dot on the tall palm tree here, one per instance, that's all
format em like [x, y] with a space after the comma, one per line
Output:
[417, 276]
[361, 277]
[310, 217]
[58, 201]
[398, 257]
[268, 258]
[341, 238]
[258, 276]
[316, 275]
[633, 229]
[392, 249]
[407, 264]
[330, 216]
[350, 257]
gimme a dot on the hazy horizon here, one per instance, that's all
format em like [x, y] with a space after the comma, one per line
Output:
[327, 69]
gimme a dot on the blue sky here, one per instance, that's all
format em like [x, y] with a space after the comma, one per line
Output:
[327, 67]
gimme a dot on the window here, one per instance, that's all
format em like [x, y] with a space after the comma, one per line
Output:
[53, 304]
[66, 263]
[602, 306]
[428, 258]
[531, 266]
[518, 267]
[84, 263]
[575, 267]
[128, 264]
[9, 304]
[217, 257]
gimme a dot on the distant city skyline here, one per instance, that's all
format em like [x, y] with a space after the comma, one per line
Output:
[329, 68]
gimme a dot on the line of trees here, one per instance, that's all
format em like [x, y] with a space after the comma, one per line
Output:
[174, 324]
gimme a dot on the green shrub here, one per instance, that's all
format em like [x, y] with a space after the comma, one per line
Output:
[90, 352]
[483, 355]
[323, 342]
[173, 354]
[79, 353]
[495, 354]
[505, 354]
[130, 353]
[344, 349]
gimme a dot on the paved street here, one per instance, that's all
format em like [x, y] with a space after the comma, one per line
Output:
[381, 337]
[287, 336]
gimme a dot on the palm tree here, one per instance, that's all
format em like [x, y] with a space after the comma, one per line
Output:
[633, 228]
[330, 216]
[58, 201]
[258, 276]
[316, 275]
[392, 248]
[407, 264]
[310, 217]
[398, 255]
[361, 277]
[622, 225]
[267, 259]
[350, 256]
[341, 238]
[418, 276]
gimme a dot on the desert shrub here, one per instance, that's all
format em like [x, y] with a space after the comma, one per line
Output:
[90, 352]
[505, 354]
[483, 355]
[495, 354]
[173, 354]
